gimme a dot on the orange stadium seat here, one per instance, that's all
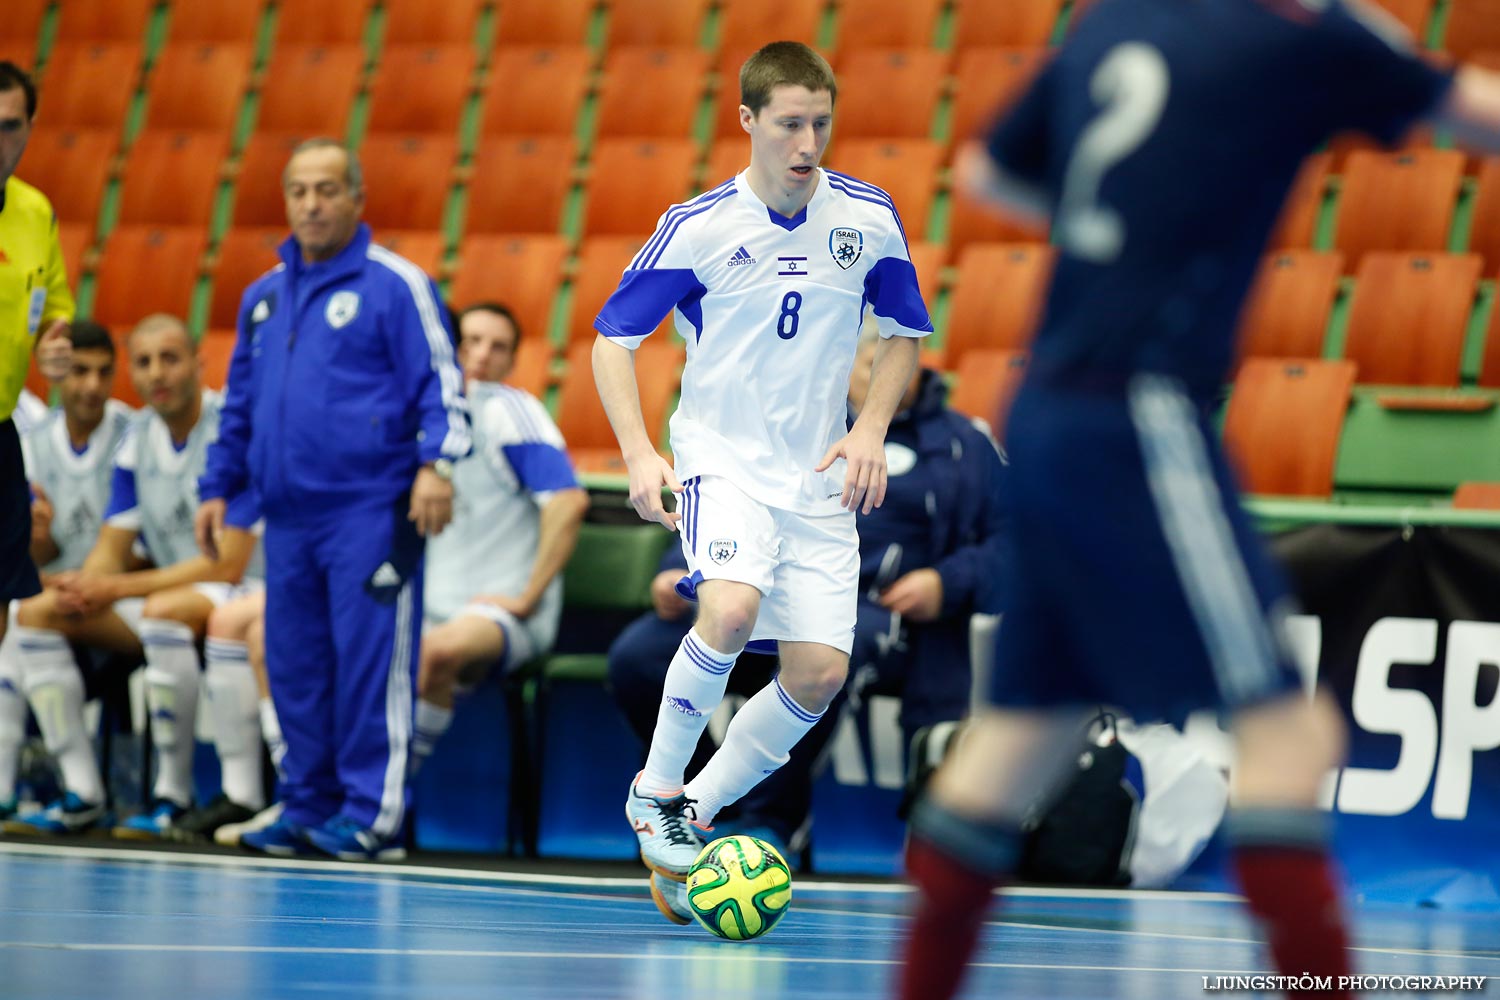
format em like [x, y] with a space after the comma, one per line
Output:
[544, 22]
[257, 189]
[1299, 213]
[222, 21]
[1282, 425]
[71, 167]
[998, 298]
[423, 247]
[601, 262]
[146, 269]
[519, 185]
[890, 93]
[199, 86]
[244, 255]
[215, 349]
[532, 370]
[420, 22]
[321, 22]
[172, 178]
[332, 72]
[103, 20]
[633, 181]
[19, 30]
[651, 92]
[421, 89]
[1477, 496]
[1489, 372]
[727, 157]
[535, 90]
[969, 221]
[74, 239]
[1398, 201]
[865, 24]
[988, 81]
[1342, 146]
[1473, 26]
[906, 168]
[1484, 226]
[927, 259]
[407, 178]
[746, 25]
[522, 272]
[580, 414]
[1013, 24]
[1413, 15]
[22, 52]
[985, 382]
[1408, 317]
[1286, 314]
[657, 22]
[89, 85]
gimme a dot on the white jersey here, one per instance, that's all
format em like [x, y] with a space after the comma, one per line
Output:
[154, 491]
[76, 482]
[519, 461]
[29, 412]
[770, 308]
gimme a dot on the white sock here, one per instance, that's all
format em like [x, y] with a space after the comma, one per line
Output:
[54, 687]
[234, 710]
[431, 723]
[172, 695]
[693, 688]
[12, 714]
[759, 740]
[270, 731]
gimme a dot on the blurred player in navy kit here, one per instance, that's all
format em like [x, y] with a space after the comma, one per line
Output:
[1160, 141]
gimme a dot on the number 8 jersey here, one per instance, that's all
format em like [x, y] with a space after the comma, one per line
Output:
[770, 308]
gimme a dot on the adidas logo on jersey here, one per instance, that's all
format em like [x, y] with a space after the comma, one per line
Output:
[741, 256]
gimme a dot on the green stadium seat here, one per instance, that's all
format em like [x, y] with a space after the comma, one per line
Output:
[1417, 451]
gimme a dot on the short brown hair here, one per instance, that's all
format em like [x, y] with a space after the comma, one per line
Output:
[789, 64]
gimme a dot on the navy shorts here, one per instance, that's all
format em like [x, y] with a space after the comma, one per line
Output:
[18, 576]
[1136, 578]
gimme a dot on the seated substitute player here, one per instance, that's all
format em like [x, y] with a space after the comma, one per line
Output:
[1160, 140]
[69, 456]
[768, 276]
[110, 604]
[494, 587]
[925, 558]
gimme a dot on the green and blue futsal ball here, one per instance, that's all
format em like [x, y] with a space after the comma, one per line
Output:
[739, 888]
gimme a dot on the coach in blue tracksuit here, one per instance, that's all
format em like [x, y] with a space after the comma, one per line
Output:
[345, 411]
[927, 558]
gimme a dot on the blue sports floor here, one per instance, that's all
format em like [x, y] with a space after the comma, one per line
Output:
[97, 923]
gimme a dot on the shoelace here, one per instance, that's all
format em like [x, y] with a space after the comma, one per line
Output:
[675, 818]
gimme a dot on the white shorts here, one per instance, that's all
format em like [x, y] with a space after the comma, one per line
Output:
[806, 568]
[522, 645]
[132, 609]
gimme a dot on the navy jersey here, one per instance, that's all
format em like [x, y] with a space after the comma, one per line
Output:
[1163, 138]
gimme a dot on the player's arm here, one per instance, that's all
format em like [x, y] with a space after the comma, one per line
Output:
[44, 547]
[226, 471]
[557, 532]
[987, 182]
[236, 546]
[1008, 169]
[614, 378]
[1472, 110]
[863, 448]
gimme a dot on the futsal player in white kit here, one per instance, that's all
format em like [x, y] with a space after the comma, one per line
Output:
[114, 603]
[69, 454]
[767, 276]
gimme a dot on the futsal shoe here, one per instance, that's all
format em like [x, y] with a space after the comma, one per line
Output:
[345, 839]
[229, 834]
[200, 825]
[282, 839]
[667, 829]
[154, 824]
[670, 898]
[67, 815]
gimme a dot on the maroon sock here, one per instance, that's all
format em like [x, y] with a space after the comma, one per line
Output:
[952, 900]
[1293, 891]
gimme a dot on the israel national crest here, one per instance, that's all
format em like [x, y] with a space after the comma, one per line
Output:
[721, 550]
[342, 307]
[846, 245]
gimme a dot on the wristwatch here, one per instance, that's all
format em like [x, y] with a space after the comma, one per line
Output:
[444, 469]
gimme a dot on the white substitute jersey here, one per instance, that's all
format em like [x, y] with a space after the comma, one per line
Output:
[490, 546]
[155, 487]
[770, 308]
[76, 482]
[30, 410]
